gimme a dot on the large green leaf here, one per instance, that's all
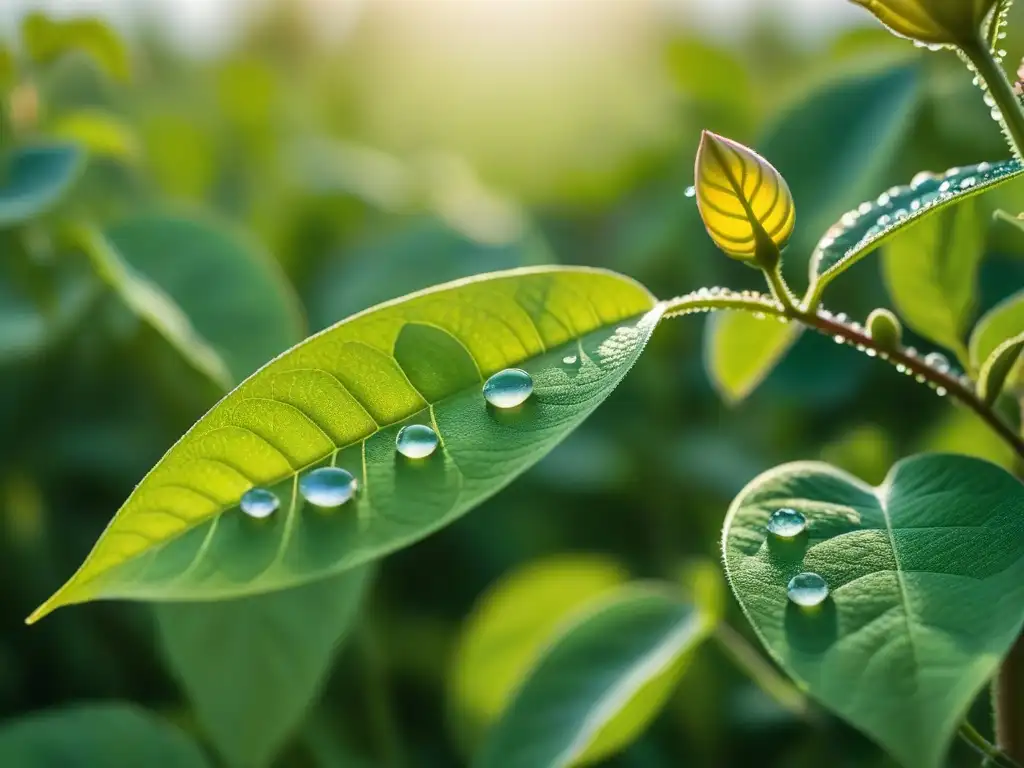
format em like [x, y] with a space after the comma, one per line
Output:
[1003, 322]
[600, 682]
[740, 350]
[511, 626]
[861, 230]
[233, 293]
[931, 271]
[35, 179]
[253, 666]
[835, 145]
[339, 398]
[926, 580]
[97, 736]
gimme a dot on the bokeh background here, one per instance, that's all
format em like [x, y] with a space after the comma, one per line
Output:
[369, 149]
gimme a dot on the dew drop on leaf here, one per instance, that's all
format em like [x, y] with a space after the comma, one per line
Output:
[807, 590]
[416, 441]
[508, 388]
[786, 523]
[691, 192]
[327, 487]
[259, 503]
[570, 359]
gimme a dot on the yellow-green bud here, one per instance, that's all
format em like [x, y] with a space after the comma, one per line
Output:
[884, 329]
[933, 22]
[744, 202]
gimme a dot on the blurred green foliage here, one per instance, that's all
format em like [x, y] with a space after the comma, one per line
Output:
[289, 176]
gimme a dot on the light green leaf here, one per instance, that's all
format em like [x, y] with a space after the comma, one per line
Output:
[252, 667]
[931, 272]
[861, 230]
[47, 40]
[99, 133]
[511, 626]
[35, 180]
[8, 69]
[740, 350]
[998, 367]
[339, 398]
[926, 580]
[963, 432]
[1003, 322]
[97, 736]
[600, 683]
[834, 146]
[147, 301]
[232, 292]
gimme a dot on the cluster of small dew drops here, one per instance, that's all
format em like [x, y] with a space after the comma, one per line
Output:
[710, 299]
[329, 487]
[937, 361]
[808, 589]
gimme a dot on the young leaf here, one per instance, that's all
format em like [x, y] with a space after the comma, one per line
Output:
[1000, 324]
[863, 229]
[252, 667]
[600, 682]
[935, 22]
[931, 272]
[926, 590]
[510, 627]
[46, 40]
[740, 350]
[339, 399]
[98, 736]
[35, 179]
[996, 369]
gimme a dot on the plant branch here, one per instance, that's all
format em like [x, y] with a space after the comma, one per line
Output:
[992, 754]
[991, 72]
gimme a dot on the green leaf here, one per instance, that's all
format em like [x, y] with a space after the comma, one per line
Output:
[233, 293]
[740, 350]
[600, 683]
[926, 580]
[148, 302]
[252, 667]
[47, 40]
[97, 736]
[998, 367]
[835, 146]
[99, 133]
[339, 398]
[861, 230]
[8, 69]
[35, 179]
[931, 272]
[1003, 322]
[510, 627]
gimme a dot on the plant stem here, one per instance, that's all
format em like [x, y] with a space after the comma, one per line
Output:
[998, 85]
[993, 755]
[384, 729]
[761, 672]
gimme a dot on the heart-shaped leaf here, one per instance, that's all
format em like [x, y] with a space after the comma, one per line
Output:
[926, 589]
[863, 229]
[339, 399]
[931, 272]
[98, 736]
[252, 667]
[600, 682]
[741, 349]
[36, 178]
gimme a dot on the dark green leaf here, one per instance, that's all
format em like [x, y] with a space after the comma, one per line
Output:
[96, 736]
[926, 582]
[35, 179]
[252, 667]
[931, 271]
[600, 683]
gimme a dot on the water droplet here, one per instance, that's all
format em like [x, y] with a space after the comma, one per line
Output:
[938, 361]
[990, 100]
[940, 391]
[690, 192]
[807, 590]
[945, 186]
[508, 388]
[570, 359]
[416, 441]
[996, 114]
[786, 523]
[327, 487]
[921, 179]
[839, 339]
[259, 503]
[969, 182]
